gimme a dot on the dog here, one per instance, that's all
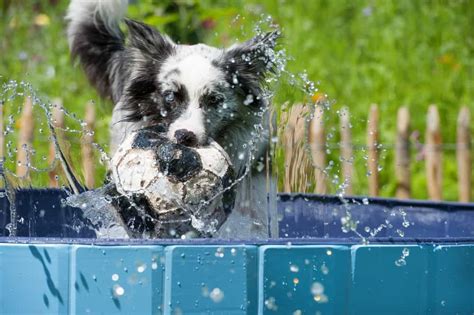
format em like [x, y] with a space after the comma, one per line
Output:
[194, 92]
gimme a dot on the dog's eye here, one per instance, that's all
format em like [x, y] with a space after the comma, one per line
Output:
[169, 97]
[215, 100]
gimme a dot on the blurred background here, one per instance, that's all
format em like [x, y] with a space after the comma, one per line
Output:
[358, 53]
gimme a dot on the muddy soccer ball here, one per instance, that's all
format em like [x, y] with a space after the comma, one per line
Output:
[169, 190]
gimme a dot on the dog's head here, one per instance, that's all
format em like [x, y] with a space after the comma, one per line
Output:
[194, 92]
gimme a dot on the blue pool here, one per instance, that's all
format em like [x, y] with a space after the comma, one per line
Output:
[421, 262]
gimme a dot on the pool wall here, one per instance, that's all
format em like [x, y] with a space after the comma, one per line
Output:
[313, 268]
[236, 279]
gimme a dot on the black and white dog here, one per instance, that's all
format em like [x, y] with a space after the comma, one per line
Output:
[195, 92]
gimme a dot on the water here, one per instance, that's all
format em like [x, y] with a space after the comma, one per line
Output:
[402, 261]
[98, 205]
[216, 295]
[9, 193]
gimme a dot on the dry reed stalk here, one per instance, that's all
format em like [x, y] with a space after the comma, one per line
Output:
[433, 154]
[463, 154]
[402, 154]
[87, 146]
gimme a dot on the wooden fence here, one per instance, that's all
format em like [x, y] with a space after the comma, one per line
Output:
[25, 141]
[293, 132]
[292, 138]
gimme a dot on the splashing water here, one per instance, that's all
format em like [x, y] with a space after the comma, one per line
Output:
[98, 205]
[402, 260]
[13, 92]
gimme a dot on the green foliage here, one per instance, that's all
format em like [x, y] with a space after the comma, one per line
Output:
[393, 53]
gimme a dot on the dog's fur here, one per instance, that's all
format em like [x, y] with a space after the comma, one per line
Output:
[202, 91]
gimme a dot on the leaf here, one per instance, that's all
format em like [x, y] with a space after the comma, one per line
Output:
[42, 20]
[156, 20]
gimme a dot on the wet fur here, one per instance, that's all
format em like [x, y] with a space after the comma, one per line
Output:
[138, 71]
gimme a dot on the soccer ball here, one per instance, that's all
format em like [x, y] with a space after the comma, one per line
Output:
[165, 189]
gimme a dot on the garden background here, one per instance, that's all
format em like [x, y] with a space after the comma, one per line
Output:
[392, 53]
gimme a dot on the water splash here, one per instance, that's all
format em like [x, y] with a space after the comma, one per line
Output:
[402, 260]
[99, 207]
[12, 93]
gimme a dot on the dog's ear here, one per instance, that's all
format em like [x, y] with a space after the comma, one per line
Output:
[247, 64]
[148, 39]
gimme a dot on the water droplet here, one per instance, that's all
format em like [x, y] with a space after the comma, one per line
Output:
[216, 295]
[320, 298]
[317, 288]
[118, 290]
[141, 268]
[270, 304]
[248, 99]
[219, 252]
[324, 269]
[406, 252]
[294, 268]
[115, 277]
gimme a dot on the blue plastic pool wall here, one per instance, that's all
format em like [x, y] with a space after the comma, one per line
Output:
[266, 279]
[314, 268]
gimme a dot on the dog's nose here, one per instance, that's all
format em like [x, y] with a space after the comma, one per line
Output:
[186, 137]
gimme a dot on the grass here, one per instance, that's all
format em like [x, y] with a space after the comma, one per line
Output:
[392, 53]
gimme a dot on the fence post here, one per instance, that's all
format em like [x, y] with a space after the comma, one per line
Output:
[372, 150]
[402, 154]
[58, 123]
[287, 138]
[2, 136]
[25, 139]
[347, 157]
[86, 146]
[298, 167]
[463, 146]
[433, 154]
[317, 142]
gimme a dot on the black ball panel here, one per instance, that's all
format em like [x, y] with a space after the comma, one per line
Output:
[178, 162]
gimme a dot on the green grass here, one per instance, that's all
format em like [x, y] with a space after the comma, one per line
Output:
[392, 53]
